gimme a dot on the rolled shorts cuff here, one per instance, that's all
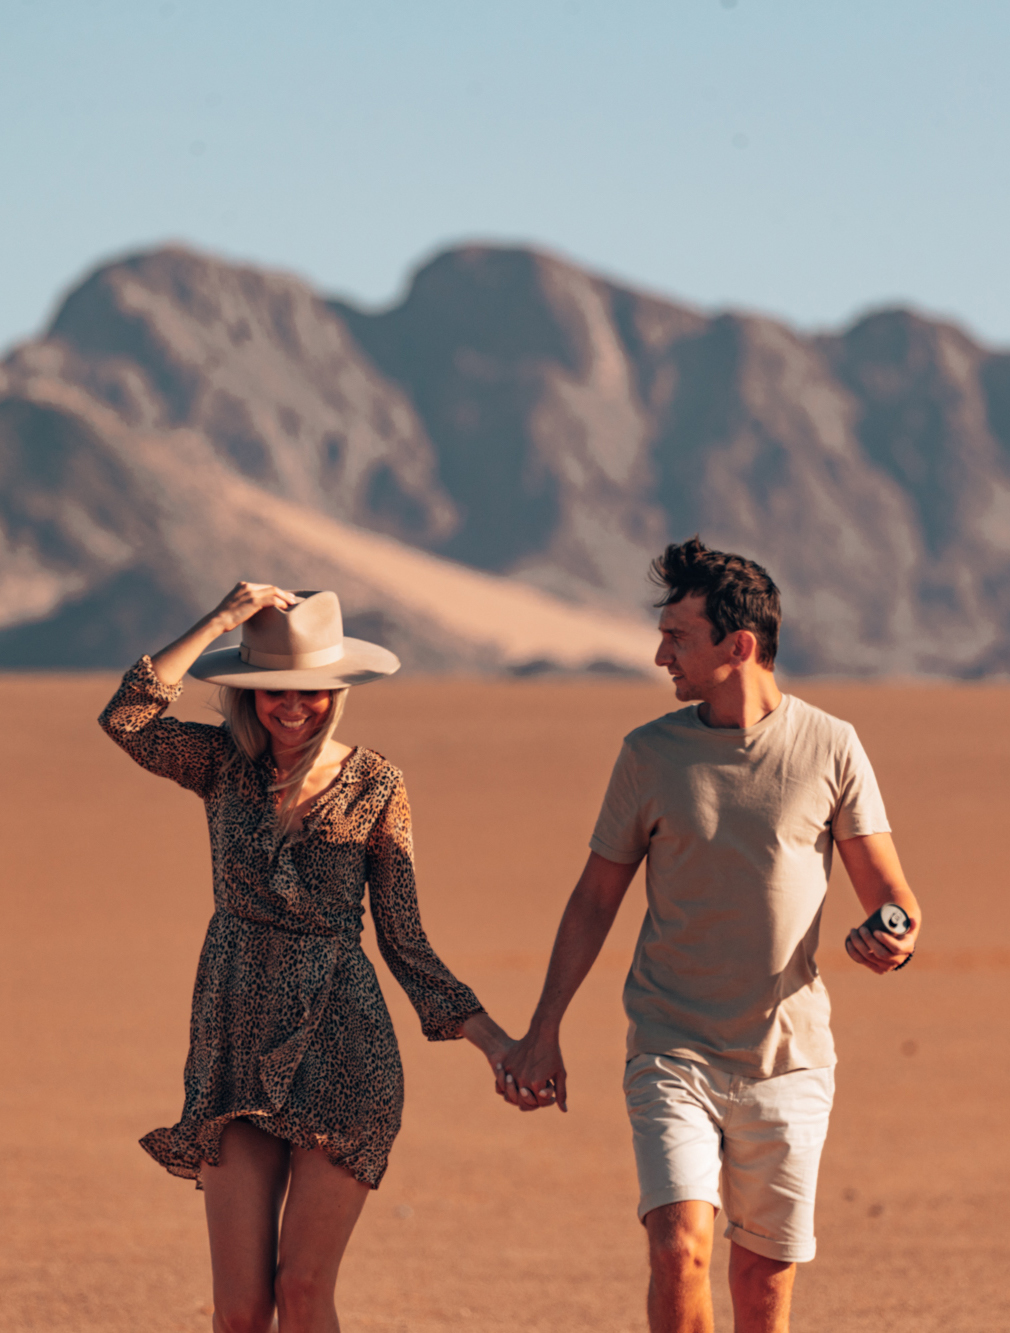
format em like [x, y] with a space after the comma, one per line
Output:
[677, 1194]
[784, 1251]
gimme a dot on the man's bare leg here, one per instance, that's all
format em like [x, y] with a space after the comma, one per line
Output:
[762, 1291]
[680, 1253]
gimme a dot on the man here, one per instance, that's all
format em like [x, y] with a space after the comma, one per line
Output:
[736, 803]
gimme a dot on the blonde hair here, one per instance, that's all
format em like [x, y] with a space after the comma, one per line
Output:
[238, 708]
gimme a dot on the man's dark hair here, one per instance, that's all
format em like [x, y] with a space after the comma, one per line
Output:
[738, 593]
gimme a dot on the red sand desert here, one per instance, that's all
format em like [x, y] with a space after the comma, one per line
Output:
[488, 1220]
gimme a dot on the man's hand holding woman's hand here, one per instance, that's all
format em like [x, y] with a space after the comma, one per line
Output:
[532, 1072]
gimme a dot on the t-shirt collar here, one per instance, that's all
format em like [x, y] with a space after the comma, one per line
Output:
[739, 733]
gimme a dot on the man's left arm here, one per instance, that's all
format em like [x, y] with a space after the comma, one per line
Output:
[875, 871]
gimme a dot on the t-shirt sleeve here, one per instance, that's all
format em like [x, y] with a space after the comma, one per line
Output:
[620, 834]
[859, 809]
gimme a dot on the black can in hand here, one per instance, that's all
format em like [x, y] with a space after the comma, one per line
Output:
[890, 917]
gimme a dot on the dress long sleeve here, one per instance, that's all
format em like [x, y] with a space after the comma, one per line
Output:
[190, 753]
[442, 1002]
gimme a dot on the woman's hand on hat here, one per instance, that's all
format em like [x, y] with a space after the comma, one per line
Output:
[240, 605]
[245, 599]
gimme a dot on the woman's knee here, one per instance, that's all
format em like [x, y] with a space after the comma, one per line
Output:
[301, 1293]
[243, 1317]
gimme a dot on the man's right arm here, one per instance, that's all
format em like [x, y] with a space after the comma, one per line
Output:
[534, 1063]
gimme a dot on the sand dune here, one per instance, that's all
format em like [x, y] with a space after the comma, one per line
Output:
[519, 625]
[186, 528]
[487, 1220]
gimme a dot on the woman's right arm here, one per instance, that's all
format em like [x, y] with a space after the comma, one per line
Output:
[187, 752]
[242, 603]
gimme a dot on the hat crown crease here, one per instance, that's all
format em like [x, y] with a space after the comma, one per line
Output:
[308, 634]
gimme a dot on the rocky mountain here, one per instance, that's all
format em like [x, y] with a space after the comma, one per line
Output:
[578, 425]
[117, 539]
[537, 431]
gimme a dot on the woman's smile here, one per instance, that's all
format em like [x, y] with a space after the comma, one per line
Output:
[292, 715]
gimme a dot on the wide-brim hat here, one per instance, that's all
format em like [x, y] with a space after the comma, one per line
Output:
[302, 648]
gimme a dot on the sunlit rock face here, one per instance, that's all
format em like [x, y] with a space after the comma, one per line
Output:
[259, 366]
[514, 414]
[578, 425]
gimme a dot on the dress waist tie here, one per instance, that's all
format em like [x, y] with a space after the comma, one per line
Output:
[297, 969]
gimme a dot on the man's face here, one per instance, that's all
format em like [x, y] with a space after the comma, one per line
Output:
[696, 665]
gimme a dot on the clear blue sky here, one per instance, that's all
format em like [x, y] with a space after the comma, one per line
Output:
[809, 158]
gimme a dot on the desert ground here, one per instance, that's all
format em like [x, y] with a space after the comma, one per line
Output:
[489, 1220]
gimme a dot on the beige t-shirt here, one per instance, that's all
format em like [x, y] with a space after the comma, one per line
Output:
[738, 825]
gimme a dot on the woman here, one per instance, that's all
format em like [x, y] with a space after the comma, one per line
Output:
[293, 1081]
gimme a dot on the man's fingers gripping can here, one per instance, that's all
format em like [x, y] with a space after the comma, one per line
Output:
[892, 918]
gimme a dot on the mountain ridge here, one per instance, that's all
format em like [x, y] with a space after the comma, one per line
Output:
[519, 416]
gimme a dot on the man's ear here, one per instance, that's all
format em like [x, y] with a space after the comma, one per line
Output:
[745, 647]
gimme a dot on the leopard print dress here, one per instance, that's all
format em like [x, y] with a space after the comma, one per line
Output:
[289, 1027]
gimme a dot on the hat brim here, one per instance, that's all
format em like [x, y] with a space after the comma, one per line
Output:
[362, 662]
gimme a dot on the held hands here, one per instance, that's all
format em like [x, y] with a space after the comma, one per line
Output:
[880, 951]
[505, 1056]
[531, 1073]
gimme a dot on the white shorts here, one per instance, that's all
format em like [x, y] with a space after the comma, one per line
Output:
[751, 1145]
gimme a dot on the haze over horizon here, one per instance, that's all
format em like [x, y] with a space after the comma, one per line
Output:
[809, 163]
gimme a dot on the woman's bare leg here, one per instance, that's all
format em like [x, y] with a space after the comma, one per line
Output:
[243, 1196]
[324, 1202]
